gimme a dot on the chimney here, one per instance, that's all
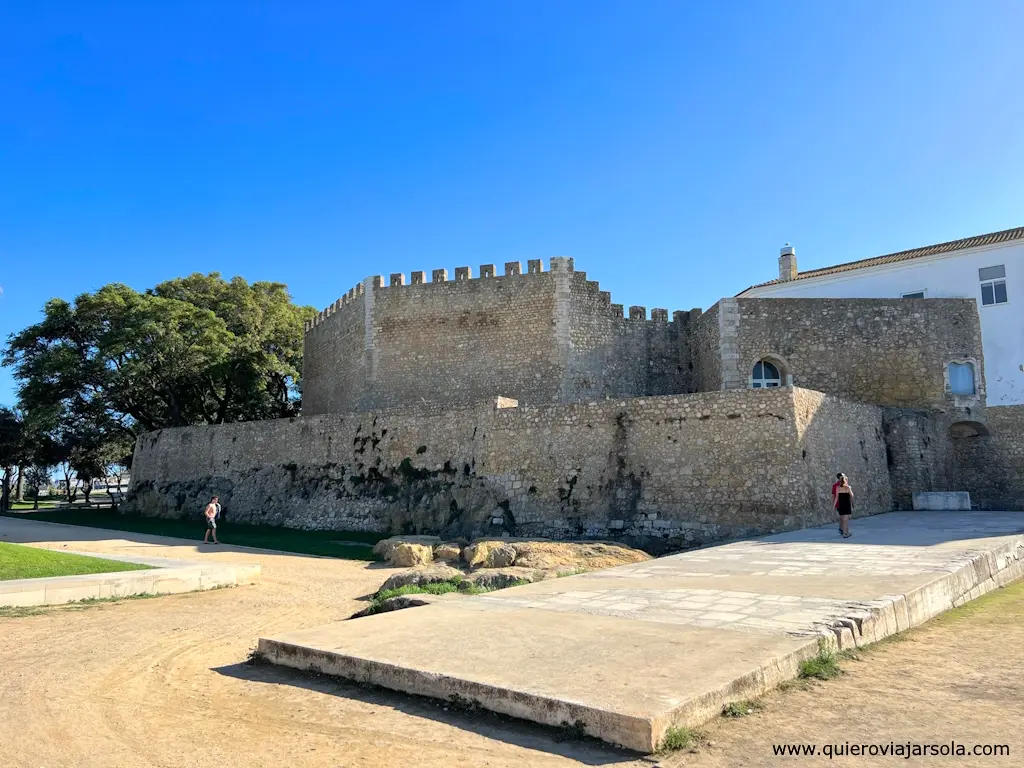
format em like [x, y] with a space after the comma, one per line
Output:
[787, 263]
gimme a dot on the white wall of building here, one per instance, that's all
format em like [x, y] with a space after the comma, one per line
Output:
[950, 275]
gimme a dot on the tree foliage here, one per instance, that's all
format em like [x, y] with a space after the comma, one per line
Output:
[195, 350]
[37, 478]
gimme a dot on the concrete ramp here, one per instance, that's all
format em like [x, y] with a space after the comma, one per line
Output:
[630, 651]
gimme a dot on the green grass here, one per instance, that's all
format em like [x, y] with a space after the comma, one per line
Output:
[573, 572]
[13, 612]
[741, 708]
[456, 584]
[347, 545]
[28, 504]
[18, 562]
[824, 666]
[677, 738]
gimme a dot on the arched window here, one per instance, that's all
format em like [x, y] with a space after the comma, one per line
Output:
[765, 375]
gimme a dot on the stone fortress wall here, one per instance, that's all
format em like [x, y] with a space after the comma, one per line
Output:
[659, 471]
[555, 336]
[531, 405]
[538, 337]
[891, 352]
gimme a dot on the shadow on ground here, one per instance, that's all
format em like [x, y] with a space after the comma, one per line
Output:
[563, 742]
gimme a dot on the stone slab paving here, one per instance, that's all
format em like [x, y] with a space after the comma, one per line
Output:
[167, 576]
[630, 651]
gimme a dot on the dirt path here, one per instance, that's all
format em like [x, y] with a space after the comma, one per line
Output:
[956, 679]
[160, 682]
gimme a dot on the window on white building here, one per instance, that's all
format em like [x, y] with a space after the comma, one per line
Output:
[993, 285]
[765, 375]
[961, 378]
[914, 295]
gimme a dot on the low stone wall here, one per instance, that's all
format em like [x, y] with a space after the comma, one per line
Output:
[658, 472]
[839, 436]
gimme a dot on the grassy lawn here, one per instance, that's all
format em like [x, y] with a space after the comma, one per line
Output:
[18, 562]
[348, 545]
[43, 504]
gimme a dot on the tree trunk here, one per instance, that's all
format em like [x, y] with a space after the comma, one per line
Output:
[5, 491]
[86, 490]
[35, 499]
[19, 494]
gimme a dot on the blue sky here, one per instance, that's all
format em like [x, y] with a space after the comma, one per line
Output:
[670, 147]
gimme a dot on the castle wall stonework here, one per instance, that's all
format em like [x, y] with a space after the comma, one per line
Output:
[883, 351]
[333, 357]
[660, 472]
[528, 404]
[539, 337]
[464, 341]
[980, 453]
[613, 355]
[988, 458]
[555, 337]
[918, 453]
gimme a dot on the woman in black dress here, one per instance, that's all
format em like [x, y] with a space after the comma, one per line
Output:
[844, 506]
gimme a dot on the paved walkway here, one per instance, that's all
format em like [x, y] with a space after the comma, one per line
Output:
[632, 650]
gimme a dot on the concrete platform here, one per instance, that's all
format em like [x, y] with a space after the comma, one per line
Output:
[164, 578]
[630, 651]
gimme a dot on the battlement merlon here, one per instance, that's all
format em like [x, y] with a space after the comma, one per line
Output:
[353, 293]
[487, 271]
[557, 265]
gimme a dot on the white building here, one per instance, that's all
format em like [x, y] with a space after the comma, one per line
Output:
[988, 268]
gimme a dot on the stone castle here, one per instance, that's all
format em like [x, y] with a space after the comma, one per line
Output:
[528, 404]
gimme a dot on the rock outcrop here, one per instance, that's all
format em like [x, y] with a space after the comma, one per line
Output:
[418, 577]
[489, 554]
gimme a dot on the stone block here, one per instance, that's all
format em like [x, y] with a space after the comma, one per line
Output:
[463, 273]
[397, 278]
[513, 268]
[173, 584]
[72, 593]
[417, 278]
[448, 551]
[439, 276]
[937, 501]
[489, 554]
[405, 555]
[23, 597]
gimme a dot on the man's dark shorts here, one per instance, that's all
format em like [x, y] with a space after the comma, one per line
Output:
[211, 524]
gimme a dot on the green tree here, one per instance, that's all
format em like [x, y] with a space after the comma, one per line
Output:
[197, 350]
[37, 478]
[91, 441]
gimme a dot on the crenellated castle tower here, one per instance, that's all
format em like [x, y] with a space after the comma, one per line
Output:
[539, 337]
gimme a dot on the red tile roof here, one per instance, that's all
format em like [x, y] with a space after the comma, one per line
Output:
[891, 258]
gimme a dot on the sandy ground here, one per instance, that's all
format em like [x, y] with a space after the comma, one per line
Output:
[162, 682]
